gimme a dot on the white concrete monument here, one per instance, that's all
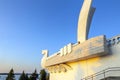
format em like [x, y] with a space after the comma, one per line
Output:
[84, 21]
[89, 59]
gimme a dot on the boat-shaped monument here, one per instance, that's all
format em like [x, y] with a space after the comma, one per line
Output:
[95, 58]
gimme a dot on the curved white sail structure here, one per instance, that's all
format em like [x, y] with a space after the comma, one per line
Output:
[84, 21]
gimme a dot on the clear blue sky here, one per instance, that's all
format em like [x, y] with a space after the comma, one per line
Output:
[28, 26]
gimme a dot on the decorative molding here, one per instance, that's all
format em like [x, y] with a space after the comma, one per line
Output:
[59, 68]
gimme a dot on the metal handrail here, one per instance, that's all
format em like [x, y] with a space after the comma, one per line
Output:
[102, 72]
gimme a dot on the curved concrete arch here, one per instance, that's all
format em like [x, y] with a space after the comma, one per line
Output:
[84, 21]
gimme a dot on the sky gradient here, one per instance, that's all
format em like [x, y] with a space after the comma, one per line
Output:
[29, 26]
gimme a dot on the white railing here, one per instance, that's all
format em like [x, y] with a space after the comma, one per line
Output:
[112, 71]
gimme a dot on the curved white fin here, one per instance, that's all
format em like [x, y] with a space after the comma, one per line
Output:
[84, 21]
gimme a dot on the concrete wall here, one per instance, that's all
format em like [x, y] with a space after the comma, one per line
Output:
[81, 69]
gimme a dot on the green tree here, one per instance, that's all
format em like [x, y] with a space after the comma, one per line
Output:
[27, 78]
[43, 74]
[11, 75]
[22, 76]
[47, 76]
[34, 75]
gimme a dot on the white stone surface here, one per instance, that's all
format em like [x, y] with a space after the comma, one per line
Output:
[69, 47]
[81, 69]
[84, 21]
[45, 53]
